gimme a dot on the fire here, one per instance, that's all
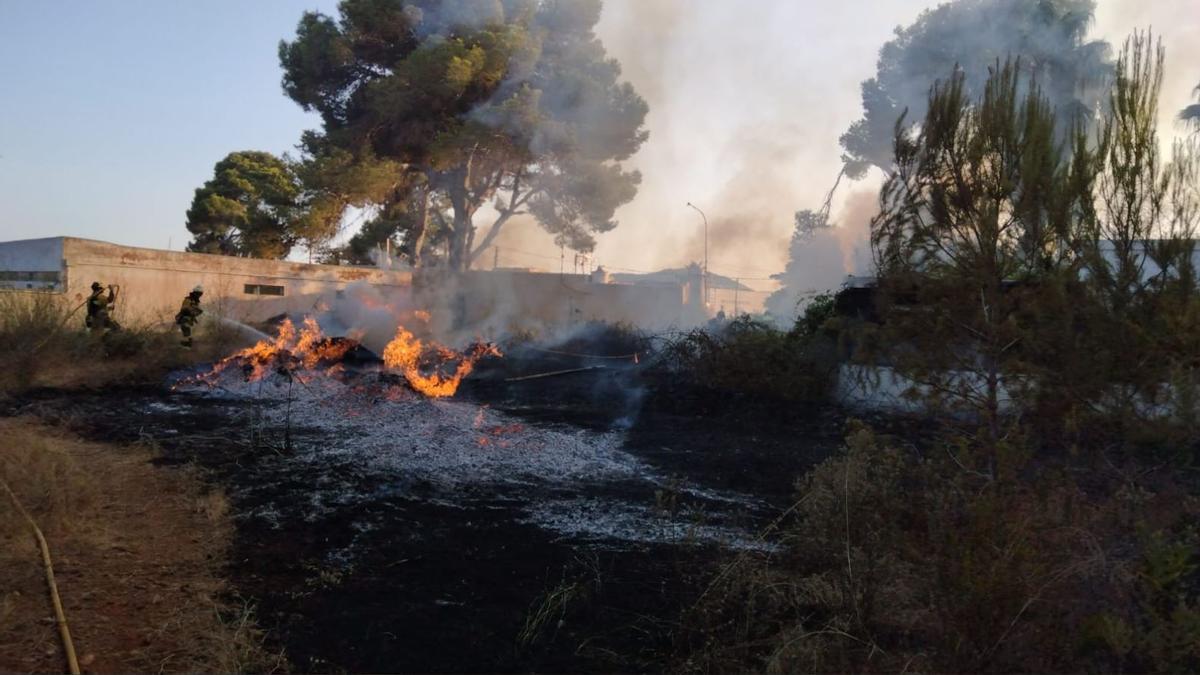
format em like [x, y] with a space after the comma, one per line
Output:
[313, 347]
[496, 434]
[289, 349]
[297, 352]
[405, 351]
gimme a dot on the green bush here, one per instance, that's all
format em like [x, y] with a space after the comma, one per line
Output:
[894, 559]
[751, 357]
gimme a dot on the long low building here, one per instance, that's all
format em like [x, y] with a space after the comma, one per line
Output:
[153, 282]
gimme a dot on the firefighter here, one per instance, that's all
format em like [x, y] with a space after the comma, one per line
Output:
[189, 313]
[98, 308]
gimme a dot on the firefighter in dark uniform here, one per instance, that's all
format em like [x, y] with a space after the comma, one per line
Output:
[98, 308]
[189, 314]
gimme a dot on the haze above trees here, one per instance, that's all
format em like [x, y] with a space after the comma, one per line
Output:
[1048, 35]
[965, 40]
[443, 118]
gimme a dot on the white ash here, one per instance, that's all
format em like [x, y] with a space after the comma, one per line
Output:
[604, 519]
[444, 442]
[449, 452]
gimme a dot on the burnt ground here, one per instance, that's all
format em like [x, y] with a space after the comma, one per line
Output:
[406, 575]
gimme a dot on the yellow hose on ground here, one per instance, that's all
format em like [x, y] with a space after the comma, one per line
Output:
[63, 630]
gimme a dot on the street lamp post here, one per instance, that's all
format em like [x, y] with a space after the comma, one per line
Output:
[705, 282]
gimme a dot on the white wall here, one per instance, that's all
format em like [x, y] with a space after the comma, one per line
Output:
[882, 389]
[31, 255]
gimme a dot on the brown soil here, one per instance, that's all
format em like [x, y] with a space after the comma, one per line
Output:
[137, 551]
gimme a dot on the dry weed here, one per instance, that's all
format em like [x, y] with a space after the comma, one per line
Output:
[214, 506]
[137, 550]
[43, 344]
[47, 477]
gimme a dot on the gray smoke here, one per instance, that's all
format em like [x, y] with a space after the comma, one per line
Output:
[747, 102]
[820, 262]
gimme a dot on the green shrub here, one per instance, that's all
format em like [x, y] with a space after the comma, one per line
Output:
[748, 356]
[896, 559]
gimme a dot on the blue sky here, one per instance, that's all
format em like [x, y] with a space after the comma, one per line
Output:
[113, 113]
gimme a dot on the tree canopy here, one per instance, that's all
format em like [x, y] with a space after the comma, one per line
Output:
[248, 208]
[445, 110]
[1012, 266]
[1190, 115]
[1048, 35]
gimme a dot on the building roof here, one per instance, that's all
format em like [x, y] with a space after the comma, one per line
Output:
[680, 275]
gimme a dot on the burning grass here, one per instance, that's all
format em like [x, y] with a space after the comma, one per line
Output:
[290, 350]
[406, 354]
[431, 369]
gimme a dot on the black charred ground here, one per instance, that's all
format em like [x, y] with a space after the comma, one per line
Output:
[454, 587]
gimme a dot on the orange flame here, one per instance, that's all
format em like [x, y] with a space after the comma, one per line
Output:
[307, 348]
[293, 351]
[404, 353]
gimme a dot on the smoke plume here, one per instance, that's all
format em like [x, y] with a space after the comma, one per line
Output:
[747, 103]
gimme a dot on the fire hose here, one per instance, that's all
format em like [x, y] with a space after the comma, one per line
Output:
[57, 328]
[622, 357]
[116, 294]
[555, 373]
[64, 630]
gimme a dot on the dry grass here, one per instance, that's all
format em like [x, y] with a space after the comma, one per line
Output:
[137, 551]
[43, 344]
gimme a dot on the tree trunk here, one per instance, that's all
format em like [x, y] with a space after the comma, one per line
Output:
[993, 417]
[460, 236]
[462, 232]
[418, 234]
[515, 201]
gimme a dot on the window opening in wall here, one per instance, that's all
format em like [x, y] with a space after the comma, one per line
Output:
[29, 280]
[263, 289]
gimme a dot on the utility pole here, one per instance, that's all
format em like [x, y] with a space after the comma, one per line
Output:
[737, 284]
[495, 257]
[705, 282]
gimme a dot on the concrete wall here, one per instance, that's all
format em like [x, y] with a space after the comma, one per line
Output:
[882, 389]
[154, 282]
[503, 300]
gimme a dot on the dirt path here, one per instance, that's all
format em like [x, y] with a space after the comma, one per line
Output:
[137, 551]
